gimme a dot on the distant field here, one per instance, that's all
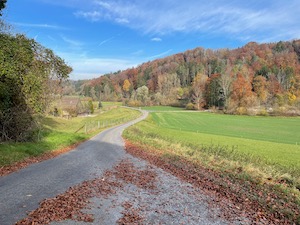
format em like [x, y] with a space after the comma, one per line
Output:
[163, 108]
[59, 133]
[260, 141]
[273, 129]
[111, 103]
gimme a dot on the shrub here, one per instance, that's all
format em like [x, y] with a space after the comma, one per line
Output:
[134, 103]
[263, 112]
[190, 106]
[241, 111]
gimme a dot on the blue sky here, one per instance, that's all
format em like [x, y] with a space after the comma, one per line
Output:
[102, 36]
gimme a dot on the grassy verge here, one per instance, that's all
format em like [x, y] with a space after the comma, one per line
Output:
[59, 133]
[163, 108]
[268, 164]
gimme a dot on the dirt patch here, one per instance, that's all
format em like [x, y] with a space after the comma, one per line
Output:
[236, 198]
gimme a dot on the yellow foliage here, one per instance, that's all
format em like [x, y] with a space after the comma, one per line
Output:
[126, 85]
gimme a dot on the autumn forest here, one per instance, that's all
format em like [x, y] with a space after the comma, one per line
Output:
[254, 79]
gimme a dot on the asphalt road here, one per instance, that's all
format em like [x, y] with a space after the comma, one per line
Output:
[21, 192]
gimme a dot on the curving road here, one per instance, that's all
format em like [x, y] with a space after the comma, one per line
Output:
[22, 191]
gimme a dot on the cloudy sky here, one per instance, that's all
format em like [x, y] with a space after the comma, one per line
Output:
[102, 36]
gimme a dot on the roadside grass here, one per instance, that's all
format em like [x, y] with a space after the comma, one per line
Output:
[104, 104]
[260, 150]
[162, 108]
[270, 157]
[59, 133]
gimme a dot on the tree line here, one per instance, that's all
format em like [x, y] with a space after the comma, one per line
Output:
[30, 78]
[254, 76]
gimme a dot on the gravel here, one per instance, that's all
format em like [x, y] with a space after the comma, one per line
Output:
[167, 201]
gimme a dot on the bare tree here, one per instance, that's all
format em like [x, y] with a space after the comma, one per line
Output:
[198, 89]
[225, 81]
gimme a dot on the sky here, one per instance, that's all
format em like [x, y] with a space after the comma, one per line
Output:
[96, 37]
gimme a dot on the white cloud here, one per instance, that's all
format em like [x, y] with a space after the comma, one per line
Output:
[72, 42]
[156, 39]
[242, 19]
[85, 67]
[160, 54]
[122, 20]
[92, 15]
[39, 25]
[106, 40]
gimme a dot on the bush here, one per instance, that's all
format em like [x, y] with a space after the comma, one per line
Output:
[241, 111]
[190, 106]
[263, 112]
[18, 125]
[134, 103]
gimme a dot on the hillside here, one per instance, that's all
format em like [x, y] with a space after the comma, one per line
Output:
[255, 76]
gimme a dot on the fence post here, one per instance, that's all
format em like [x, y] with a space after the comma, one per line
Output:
[85, 128]
[98, 124]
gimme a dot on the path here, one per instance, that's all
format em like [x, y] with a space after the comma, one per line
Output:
[22, 191]
[142, 191]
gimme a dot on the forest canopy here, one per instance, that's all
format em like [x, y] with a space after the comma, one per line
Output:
[254, 76]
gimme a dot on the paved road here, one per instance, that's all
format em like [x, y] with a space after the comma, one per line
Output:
[22, 191]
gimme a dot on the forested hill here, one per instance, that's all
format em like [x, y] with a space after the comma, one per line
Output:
[254, 75]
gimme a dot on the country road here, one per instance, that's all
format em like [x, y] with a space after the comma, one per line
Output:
[22, 191]
[135, 190]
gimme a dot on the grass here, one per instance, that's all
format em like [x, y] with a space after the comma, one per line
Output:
[260, 155]
[59, 133]
[104, 104]
[162, 108]
[266, 142]
[271, 129]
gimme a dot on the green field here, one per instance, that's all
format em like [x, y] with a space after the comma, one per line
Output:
[162, 108]
[279, 129]
[269, 143]
[59, 133]
[104, 104]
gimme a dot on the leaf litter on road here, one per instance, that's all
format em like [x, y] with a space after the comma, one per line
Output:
[133, 192]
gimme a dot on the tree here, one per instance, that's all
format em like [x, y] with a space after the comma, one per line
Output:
[225, 81]
[126, 86]
[212, 91]
[241, 90]
[2, 5]
[29, 76]
[90, 106]
[198, 89]
[142, 94]
[93, 93]
[260, 88]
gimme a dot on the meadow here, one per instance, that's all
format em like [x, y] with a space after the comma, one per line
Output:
[58, 133]
[248, 159]
[270, 144]
[162, 108]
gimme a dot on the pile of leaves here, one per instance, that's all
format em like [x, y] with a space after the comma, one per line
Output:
[69, 205]
[130, 215]
[261, 203]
